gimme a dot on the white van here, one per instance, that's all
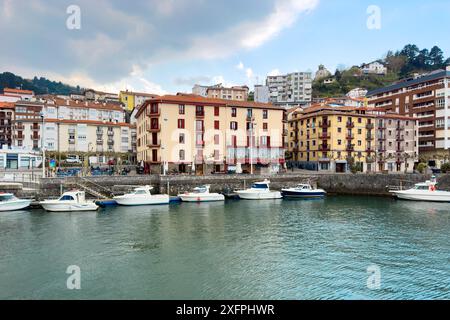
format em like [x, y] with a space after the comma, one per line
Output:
[73, 159]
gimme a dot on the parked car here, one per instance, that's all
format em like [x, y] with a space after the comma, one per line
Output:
[73, 159]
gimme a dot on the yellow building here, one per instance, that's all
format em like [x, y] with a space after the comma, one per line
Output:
[133, 99]
[340, 139]
[185, 133]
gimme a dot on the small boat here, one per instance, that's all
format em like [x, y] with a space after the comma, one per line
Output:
[201, 194]
[424, 191]
[141, 197]
[259, 191]
[70, 201]
[303, 190]
[9, 202]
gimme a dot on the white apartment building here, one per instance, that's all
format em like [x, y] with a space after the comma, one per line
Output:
[261, 94]
[291, 89]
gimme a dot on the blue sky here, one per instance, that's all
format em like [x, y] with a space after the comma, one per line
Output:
[167, 46]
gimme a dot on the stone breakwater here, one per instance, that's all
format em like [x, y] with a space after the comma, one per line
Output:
[357, 184]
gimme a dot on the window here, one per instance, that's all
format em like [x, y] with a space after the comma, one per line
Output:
[180, 123]
[154, 108]
[265, 114]
[199, 125]
[233, 125]
[181, 109]
[216, 125]
[339, 119]
[339, 142]
[216, 155]
[182, 154]
[359, 120]
[216, 111]
[359, 131]
[359, 143]
[233, 112]
[339, 130]
[216, 139]
[199, 111]
[181, 138]
[265, 126]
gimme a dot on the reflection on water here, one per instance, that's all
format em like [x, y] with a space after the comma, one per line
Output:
[275, 249]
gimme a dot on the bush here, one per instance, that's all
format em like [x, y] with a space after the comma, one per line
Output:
[445, 167]
[421, 167]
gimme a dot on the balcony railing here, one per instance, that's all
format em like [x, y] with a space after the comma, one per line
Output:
[324, 147]
[350, 136]
[325, 135]
[325, 124]
[370, 126]
[199, 114]
[154, 128]
[350, 148]
[369, 137]
[350, 124]
[153, 144]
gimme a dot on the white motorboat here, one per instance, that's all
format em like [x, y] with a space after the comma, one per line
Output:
[259, 191]
[141, 197]
[303, 190]
[70, 201]
[201, 194]
[425, 191]
[9, 202]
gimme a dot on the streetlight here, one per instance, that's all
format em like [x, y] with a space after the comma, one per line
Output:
[41, 114]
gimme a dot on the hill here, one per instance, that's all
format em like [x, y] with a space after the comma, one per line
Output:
[400, 64]
[38, 85]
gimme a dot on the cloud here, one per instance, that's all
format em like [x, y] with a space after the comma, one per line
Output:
[118, 40]
[249, 73]
[240, 66]
[191, 81]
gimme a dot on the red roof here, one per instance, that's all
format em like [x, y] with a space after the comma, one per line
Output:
[7, 105]
[83, 104]
[17, 91]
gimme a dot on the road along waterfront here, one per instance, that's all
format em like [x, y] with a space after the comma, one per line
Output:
[276, 249]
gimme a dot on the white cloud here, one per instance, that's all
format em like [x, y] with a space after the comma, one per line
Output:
[240, 66]
[249, 73]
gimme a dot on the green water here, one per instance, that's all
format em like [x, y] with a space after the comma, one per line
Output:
[277, 249]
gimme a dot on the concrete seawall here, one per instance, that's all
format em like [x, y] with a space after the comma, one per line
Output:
[358, 184]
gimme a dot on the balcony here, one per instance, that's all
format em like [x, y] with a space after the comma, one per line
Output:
[110, 133]
[324, 147]
[154, 144]
[285, 132]
[71, 141]
[350, 136]
[382, 138]
[370, 149]
[369, 137]
[35, 127]
[21, 127]
[370, 159]
[400, 138]
[154, 113]
[154, 128]
[350, 148]
[99, 141]
[370, 126]
[350, 125]
[35, 137]
[325, 124]
[250, 118]
[325, 135]
[199, 114]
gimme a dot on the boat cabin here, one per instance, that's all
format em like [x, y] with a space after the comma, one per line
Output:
[261, 185]
[78, 196]
[6, 197]
[201, 189]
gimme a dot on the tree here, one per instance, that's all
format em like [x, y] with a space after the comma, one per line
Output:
[422, 60]
[436, 57]
[411, 51]
[447, 62]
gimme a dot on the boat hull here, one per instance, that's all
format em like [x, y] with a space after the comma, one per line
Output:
[142, 201]
[14, 205]
[60, 206]
[259, 195]
[435, 196]
[202, 198]
[302, 194]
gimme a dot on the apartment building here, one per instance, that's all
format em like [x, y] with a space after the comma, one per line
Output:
[13, 95]
[131, 100]
[218, 91]
[291, 89]
[184, 133]
[261, 94]
[335, 138]
[73, 127]
[94, 95]
[426, 97]
[6, 124]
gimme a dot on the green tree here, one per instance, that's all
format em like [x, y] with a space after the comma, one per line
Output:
[436, 57]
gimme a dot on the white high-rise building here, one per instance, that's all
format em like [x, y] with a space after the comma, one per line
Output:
[291, 89]
[261, 93]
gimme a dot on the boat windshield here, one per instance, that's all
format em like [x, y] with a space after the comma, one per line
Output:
[200, 190]
[420, 187]
[260, 186]
[66, 198]
[140, 192]
[6, 197]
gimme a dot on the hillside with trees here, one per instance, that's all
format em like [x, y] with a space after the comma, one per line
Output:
[400, 64]
[38, 85]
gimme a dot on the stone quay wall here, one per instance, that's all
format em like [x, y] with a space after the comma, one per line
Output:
[356, 184]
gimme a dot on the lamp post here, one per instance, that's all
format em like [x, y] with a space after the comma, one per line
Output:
[42, 143]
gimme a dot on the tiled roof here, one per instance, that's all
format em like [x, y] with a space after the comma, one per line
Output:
[7, 105]
[93, 122]
[17, 91]
[84, 104]
[198, 100]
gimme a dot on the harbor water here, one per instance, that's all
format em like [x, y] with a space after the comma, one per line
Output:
[275, 249]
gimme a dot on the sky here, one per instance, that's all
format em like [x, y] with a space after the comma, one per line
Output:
[167, 46]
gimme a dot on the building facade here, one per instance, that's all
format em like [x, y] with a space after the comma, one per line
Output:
[6, 124]
[290, 89]
[186, 133]
[218, 91]
[340, 139]
[374, 67]
[131, 100]
[261, 94]
[428, 99]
